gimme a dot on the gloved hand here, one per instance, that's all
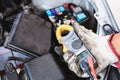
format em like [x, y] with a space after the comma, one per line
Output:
[99, 46]
[73, 65]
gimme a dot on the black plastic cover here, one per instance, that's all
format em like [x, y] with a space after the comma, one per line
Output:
[43, 68]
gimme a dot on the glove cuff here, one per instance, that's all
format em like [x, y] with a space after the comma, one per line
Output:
[111, 46]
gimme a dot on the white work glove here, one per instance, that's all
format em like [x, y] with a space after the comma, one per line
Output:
[97, 45]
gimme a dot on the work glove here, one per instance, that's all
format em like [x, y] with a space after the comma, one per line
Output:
[99, 46]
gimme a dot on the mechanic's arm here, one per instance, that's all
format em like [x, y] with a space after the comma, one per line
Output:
[115, 41]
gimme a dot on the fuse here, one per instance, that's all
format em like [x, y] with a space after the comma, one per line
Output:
[48, 12]
[76, 10]
[57, 10]
[66, 6]
[78, 13]
[53, 11]
[81, 17]
[62, 9]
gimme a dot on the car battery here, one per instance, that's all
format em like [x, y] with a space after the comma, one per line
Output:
[30, 35]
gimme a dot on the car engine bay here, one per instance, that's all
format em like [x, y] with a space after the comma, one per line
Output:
[36, 30]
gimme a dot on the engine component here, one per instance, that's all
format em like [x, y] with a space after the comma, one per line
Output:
[108, 29]
[64, 13]
[11, 72]
[43, 68]
[30, 34]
